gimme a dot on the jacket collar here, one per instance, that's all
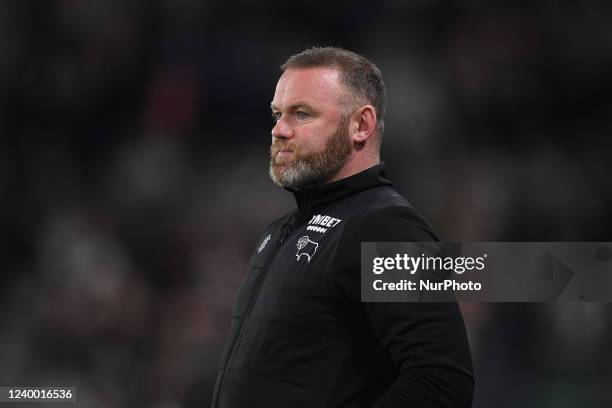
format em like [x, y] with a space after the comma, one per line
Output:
[308, 198]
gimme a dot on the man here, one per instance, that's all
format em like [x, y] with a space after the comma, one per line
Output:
[300, 335]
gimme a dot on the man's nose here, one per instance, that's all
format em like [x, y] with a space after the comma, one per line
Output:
[281, 129]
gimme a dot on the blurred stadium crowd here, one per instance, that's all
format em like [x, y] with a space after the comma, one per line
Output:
[133, 177]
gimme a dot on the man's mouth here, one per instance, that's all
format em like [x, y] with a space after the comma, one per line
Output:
[282, 155]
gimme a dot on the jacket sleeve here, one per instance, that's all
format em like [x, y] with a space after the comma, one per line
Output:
[426, 341]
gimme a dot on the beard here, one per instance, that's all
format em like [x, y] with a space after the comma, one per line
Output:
[311, 169]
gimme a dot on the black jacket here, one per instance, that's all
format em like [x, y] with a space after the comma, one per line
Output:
[300, 335]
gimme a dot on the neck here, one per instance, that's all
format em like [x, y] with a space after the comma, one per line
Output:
[356, 164]
[309, 198]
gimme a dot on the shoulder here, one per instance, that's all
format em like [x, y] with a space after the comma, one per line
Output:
[392, 220]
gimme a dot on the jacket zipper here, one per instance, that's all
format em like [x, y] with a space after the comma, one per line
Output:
[247, 313]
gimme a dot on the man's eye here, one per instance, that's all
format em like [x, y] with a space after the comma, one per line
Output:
[276, 116]
[301, 115]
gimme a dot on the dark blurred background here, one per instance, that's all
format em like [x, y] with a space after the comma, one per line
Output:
[134, 142]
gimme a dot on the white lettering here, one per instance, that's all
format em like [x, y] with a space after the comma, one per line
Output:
[377, 267]
[401, 285]
[315, 219]
[324, 220]
[449, 284]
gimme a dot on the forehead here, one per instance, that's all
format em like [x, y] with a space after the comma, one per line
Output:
[314, 86]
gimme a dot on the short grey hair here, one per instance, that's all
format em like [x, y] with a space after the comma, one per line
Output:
[359, 76]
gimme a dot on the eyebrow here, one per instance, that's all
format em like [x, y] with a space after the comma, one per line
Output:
[295, 106]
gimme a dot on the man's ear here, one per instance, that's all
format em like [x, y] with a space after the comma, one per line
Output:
[363, 124]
